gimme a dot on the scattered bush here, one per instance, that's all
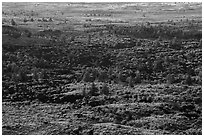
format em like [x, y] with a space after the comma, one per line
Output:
[25, 20]
[175, 43]
[137, 77]
[31, 19]
[188, 80]
[170, 79]
[93, 90]
[104, 89]
[138, 43]
[13, 23]
[103, 76]
[86, 77]
[130, 81]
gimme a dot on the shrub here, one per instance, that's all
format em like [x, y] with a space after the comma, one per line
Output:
[96, 101]
[176, 44]
[200, 43]
[104, 89]
[86, 77]
[156, 43]
[200, 77]
[137, 77]
[158, 65]
[31, 19]
[28, 33]
[93, 90]
[35, 74]
[23, 75]
[130, 81]
[13, 23]
[89, 39]
[138, 43]
[20, 76]
[120, 77]
[84, 91]
[13, 68]
[43, 74]
[25, 20]
[110, 73]
[95, 74]
[72, 38]
[170, 79]
[188, 80]
[15, 77]
[103, 76]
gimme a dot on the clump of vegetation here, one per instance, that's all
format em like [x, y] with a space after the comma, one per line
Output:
[93, 90]
[84, 94]
[138, 43]
[188, 80]
[137, 77]
[170, 79]
[130, 81]
[35, 74]
[120, 77]
[32, 20]
[200, 43]
[86, 76]
[175, 43]
[25, 20]
[103, 76]
[157, 43]
[104, 89]
[13, 23]
[20, 75]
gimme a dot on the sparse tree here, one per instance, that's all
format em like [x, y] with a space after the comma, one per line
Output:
[138, 43]
[130, 81]
[157, 43]
[43, 74]
[13, 67]
[31, 19]
[104, 89]
[137, 77]
[22, 75]
[25, 20]
[93, 90]
[50, 19]
[86, 77]
[72, 38]
[84, 91]
[13, 23]
[170, 79]
[110, 73]
[103, 76]
[200, 43]
[188, 80]
[120, 77]
[35, 74]
[89, 39]
[175, 43]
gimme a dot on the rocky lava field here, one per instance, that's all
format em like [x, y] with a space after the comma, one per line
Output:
[113, 79]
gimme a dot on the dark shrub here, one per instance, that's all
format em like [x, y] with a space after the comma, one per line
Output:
[188, 80]
[130, 81]
[93, 90]
[13, 22]
[170, 79]
[103, 76]
[104, 89]
[86, 77]
[137, 77]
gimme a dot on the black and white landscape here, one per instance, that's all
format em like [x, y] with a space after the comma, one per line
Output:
[101, 68]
